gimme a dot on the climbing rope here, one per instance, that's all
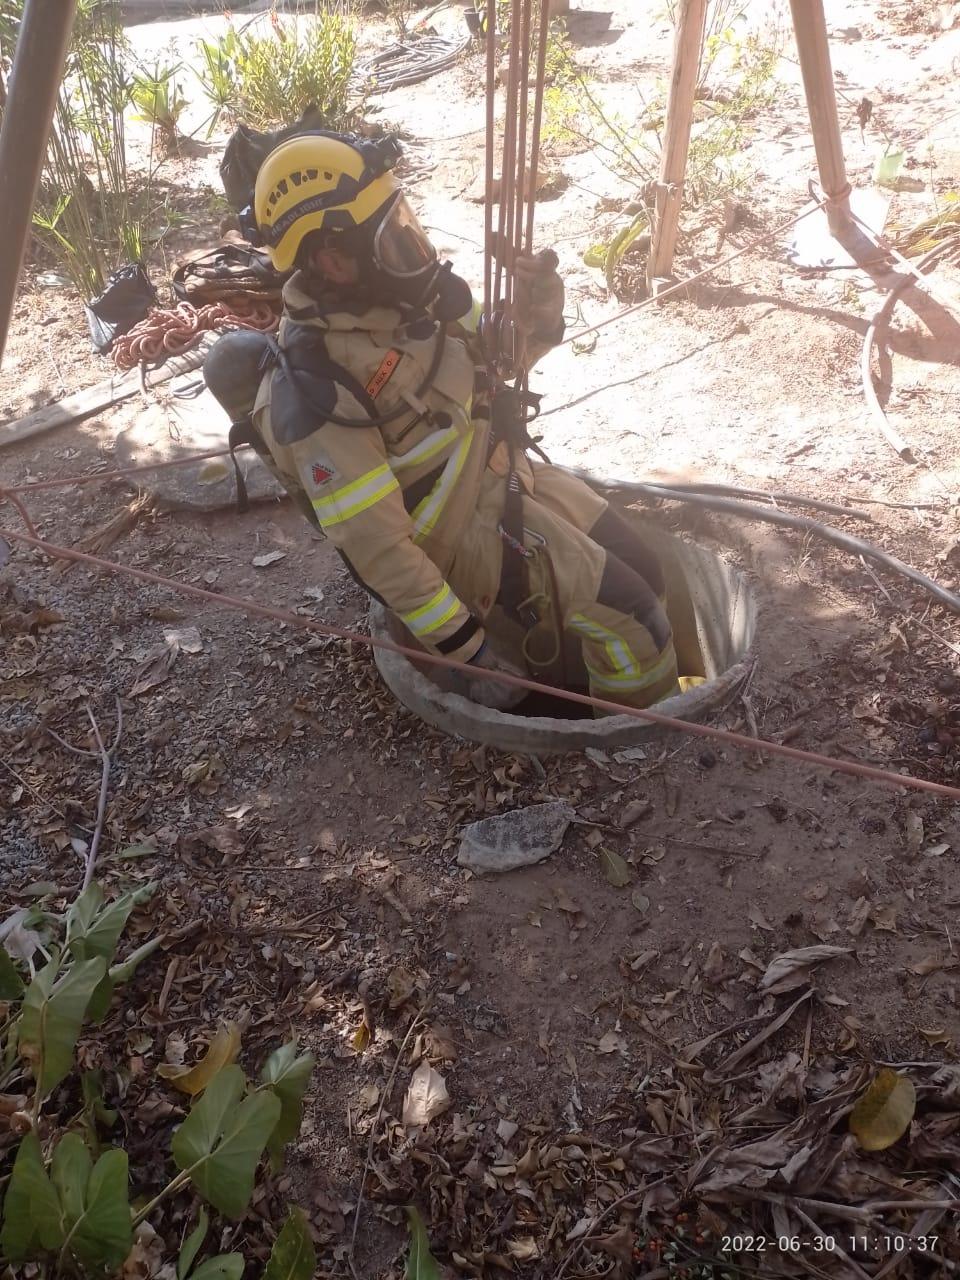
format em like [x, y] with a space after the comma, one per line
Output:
[171, 331]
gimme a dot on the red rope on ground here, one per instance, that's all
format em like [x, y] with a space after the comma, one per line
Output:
[173, 330]
[882, 776]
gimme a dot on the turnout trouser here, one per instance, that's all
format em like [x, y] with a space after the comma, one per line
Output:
[591, 578]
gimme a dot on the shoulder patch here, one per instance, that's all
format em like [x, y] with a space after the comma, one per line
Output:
[321, 473]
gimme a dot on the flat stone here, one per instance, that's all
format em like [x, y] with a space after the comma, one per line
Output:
[162, 434]
[515, 839]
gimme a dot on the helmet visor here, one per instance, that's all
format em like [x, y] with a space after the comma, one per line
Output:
[400, 246]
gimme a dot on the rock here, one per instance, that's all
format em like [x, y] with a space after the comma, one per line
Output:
[516, 839]
[201, 426]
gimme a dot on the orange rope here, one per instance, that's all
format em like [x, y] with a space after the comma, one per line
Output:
[171, 331]
[882, 776]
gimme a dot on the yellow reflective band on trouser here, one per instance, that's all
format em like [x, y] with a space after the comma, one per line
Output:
[428, 512]
[431, 616]
[355, 497]
[626, 672]
[623, 682]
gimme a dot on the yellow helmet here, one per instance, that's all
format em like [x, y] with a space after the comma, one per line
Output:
[320, 182]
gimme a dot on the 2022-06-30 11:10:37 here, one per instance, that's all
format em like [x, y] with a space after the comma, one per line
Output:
[888, 1242]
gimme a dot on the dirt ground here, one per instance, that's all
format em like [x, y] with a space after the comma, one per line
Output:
[304, 828]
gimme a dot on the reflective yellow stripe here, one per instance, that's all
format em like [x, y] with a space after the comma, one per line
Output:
[431, 616]
[355, 497]
[428, 448]
[624, 681]
[428, 512]
[622, 659]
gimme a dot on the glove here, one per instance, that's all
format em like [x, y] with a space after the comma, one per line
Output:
[539, 297]
[489, 693]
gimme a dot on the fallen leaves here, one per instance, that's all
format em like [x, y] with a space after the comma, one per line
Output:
[792, 969]
[222, 1051]
[883, 1113]
[426, 1096]
[267, 558]
[615, 868]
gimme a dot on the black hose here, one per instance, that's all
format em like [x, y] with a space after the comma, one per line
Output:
[770, 515]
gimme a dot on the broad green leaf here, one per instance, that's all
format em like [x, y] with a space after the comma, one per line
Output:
[95, 1109]
[83, 911]
[11, 984]
[293, 1256]
[287, 1076]
[52, 1017]
[225, 1266]
[104, 1234]
[421, 1264]
[883, 1112]
[101, 1000]
[124, 971]
[70, 1171]
[221, 1051]
[119, 973]
[96, 932]
[191, 1246]
[31, 1214]
[220, 1144]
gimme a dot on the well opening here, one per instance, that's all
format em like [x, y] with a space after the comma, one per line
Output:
[713, 612]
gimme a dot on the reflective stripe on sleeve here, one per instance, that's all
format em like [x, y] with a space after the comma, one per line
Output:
[431, 616]
[355, 497]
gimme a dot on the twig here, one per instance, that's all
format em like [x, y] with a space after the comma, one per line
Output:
[106, 759]
[417, 1020]
[710, 848]
[578, 1244]
[851, 1262]
[905, 613]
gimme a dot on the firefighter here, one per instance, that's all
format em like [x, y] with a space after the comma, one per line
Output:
[375, 411]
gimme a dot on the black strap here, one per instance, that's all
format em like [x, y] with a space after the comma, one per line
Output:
[242, 433]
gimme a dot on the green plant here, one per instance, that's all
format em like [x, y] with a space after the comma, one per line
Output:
[269, 78]
[88, 215]
[160, 101]
[67, 1202]
[218, 76]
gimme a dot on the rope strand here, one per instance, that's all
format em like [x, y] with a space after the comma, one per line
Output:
[883, 777]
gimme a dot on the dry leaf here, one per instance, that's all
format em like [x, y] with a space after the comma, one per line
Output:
[756, 917]
[186, 638]
[791, 969]
[640, 901]
[223, 1050]
[362, 1036]
[935, 1037]
[885, 918]
[883, 1113]
[267, 558]
[634, 811]
[401, 985]
[612, 1042]
[614, 868]
[713, 966]
[859, 916]
[426, 1096]
[936, 850]
[154, 669]
[913, 826]
[930, 964]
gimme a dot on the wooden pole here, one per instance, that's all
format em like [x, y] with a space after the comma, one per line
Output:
[691, 20]
[28, 114]
[813, 50]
